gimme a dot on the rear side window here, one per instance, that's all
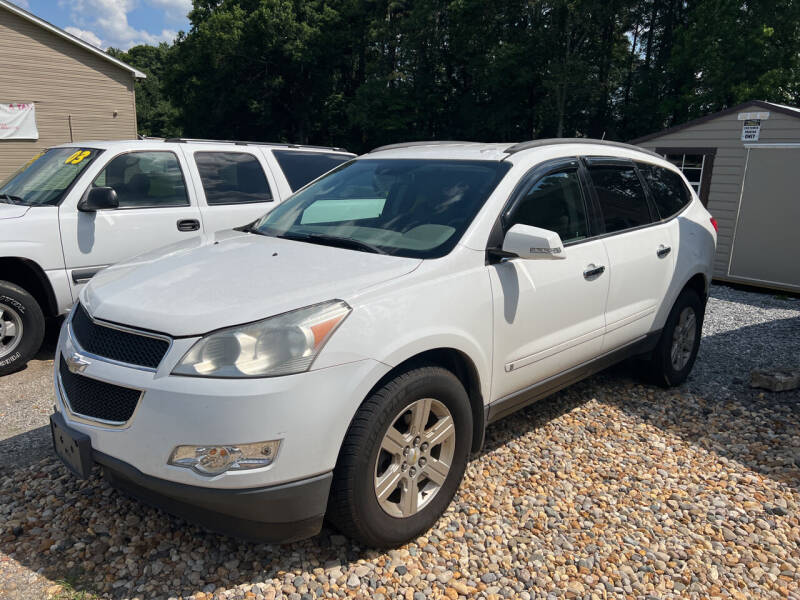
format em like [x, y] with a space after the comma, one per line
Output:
[145, 180]
[668, 189]
[555, 202]
[232, 178]
[621, 196]
[302, 167]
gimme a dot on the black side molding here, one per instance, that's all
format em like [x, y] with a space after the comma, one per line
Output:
[512, 403]
[84, 275]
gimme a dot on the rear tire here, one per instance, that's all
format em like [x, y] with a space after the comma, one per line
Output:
[21, 327]
[402, 459]
[674, 355]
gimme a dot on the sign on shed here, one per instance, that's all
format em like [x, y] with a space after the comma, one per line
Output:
[751, 125]
[18, 121]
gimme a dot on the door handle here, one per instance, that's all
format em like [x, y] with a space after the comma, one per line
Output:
[663, 251]
[188, 224]
[592, 271]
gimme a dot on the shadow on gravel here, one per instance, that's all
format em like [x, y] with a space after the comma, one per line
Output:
[51, 330]
[91, 535]
[756, 428]
[25, 449]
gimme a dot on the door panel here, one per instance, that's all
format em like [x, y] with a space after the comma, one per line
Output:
[639, 278]
[153, 197]
[547, 316]
[640, 255]
[765, 246]
[234, 187]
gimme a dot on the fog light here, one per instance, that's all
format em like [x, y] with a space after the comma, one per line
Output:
[213, 460]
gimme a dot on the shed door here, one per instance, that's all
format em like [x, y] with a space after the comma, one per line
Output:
[766, 245]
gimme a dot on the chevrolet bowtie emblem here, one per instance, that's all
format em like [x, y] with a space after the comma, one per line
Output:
[76, 363]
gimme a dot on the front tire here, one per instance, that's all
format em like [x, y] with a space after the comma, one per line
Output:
[402, 459]
[674, 356]
[21, 327]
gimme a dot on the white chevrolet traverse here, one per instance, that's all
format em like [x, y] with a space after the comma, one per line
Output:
[343, 355]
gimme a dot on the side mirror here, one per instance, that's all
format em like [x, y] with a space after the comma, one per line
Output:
[527, 241]
[98, 198]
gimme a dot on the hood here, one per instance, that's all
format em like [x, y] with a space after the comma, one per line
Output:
[229, 278]
[12, 211]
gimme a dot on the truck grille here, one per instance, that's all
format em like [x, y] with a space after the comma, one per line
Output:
[116, 344]
[95, 399]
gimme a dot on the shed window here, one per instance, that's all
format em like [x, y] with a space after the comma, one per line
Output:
[696, 164]
[692, 166]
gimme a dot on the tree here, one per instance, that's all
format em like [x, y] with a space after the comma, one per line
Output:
[155, 114]
[361, 73]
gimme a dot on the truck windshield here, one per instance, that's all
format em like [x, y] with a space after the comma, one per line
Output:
[45, 178]
[405, 207]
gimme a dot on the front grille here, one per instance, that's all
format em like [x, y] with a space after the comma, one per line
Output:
[96, 399]
[118, 345]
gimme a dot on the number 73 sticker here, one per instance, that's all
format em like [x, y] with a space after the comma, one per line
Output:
[77, 157]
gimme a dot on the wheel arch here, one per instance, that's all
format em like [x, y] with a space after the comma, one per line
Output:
[698, 283]
[31, 277]
[463, 367]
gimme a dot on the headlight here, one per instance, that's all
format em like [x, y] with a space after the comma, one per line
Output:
[280, 345]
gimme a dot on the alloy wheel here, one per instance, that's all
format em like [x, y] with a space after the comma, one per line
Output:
[10, 330]
[415, 457]
[683, 338]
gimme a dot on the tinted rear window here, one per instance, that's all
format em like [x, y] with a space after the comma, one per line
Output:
[621, 196]
[302, 167]
[232, 178]
[669, 191]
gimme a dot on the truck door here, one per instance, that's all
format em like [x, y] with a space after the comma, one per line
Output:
[156, 208]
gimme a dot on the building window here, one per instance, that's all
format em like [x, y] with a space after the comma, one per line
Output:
[696, 165]
[692, 167]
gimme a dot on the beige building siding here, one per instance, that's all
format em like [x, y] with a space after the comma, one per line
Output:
[61, 78]
[724, 133]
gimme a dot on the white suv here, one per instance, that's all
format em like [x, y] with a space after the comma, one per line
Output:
[78, 208]
[343, 355]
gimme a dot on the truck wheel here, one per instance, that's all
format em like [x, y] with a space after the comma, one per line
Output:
[21, 327]
[674, 356]
[402, 459]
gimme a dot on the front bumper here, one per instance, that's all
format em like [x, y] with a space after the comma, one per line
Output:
[309, 413]
[278, 513]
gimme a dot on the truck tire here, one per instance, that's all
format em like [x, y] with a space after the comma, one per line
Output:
[21, 327]
[402, 459]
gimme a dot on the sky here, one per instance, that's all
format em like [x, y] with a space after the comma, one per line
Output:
[117, 23]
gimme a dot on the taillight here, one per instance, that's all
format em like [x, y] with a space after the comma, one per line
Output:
[714, 224]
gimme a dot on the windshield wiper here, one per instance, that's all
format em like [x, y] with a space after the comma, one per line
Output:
[332, 240]
[249, 228]
[11, 199]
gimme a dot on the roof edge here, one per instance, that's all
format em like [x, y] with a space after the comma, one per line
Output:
[760, 103]
[28, 16]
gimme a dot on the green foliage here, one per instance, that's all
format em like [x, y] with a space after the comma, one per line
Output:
[360, 73]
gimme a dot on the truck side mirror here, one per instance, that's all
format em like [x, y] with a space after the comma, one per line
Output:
[99, 198]
[527, 241]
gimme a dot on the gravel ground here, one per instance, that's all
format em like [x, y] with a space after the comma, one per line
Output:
[26, 401]
[608, 489]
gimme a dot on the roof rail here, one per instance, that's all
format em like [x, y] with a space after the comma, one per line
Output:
[554, 141]
[182, 140]
[414, 144]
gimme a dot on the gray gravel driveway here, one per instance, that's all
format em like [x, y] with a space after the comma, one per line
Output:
[609, 489]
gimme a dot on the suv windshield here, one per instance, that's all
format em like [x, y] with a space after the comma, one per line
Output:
[404, 207]
[44, 179]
